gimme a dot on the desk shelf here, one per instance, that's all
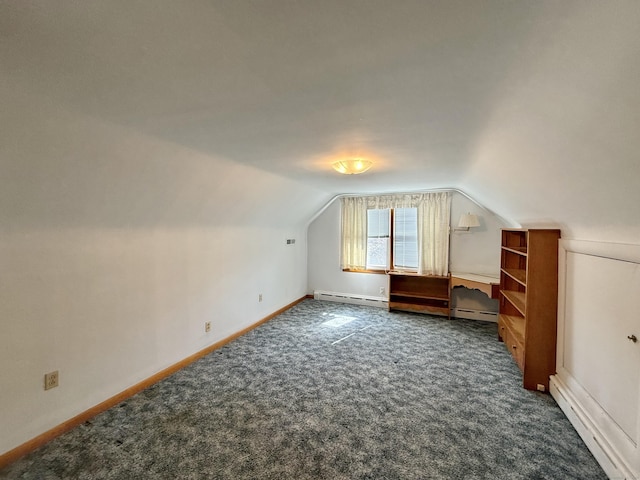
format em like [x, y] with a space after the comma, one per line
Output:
[420, 293]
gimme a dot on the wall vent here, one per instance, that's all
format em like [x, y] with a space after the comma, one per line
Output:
[381, 302]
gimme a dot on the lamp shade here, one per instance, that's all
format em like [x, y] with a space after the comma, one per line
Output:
[352, 166]
[468, 220]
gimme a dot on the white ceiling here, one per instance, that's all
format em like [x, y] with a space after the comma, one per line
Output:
[533, 108]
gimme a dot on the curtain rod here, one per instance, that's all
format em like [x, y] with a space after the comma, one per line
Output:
[432, 190]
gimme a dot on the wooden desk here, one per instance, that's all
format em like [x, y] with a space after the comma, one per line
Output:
[485, 283]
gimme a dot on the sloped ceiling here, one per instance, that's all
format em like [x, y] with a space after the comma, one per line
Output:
[532, 108]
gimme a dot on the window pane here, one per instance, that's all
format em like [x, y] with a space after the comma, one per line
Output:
[377, 253]
[405, 241]
[377, 239]
[378, 223]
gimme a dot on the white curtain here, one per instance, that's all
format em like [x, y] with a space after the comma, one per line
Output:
[434, 211]
[354, 233]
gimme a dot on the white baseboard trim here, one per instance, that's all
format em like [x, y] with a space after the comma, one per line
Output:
[598, 445]
[353, 298]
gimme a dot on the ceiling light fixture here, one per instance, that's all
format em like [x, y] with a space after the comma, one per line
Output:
[352, 166]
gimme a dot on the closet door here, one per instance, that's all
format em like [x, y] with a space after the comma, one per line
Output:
[597, 351]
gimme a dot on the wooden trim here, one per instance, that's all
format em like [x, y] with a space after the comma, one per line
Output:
[31, 445]
[488, 284]
[351, 270]
[413, 273]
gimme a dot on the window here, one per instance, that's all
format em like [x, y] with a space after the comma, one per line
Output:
[378, 236]
[405, 239]
[404, 254]
[397, 231]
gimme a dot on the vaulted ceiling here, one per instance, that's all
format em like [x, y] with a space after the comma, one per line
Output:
[148, 111]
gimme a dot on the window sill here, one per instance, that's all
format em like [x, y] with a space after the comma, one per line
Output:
[378, 272]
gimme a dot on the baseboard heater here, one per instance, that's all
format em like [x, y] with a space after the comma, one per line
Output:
[371, 301]
[474, 314]
[382, 302]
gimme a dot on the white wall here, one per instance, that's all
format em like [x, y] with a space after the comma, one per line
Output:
[476, 251]
[116, 247]
[324, 272]
[559, 145]
[110, 307]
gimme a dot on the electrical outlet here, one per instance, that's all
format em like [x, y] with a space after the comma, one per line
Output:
[50, 380]
[207, 327]
[381, 290]
[260, 297]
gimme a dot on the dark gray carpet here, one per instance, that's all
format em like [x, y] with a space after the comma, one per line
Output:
[406, 396]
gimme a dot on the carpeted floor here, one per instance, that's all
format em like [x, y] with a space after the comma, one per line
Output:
[331, 391]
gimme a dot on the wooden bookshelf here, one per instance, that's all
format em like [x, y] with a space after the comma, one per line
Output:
[529, 302]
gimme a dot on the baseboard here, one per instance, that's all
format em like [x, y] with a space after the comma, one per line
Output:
[31, 445]
[581, 420]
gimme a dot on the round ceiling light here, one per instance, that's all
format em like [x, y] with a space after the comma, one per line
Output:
[352, 166]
